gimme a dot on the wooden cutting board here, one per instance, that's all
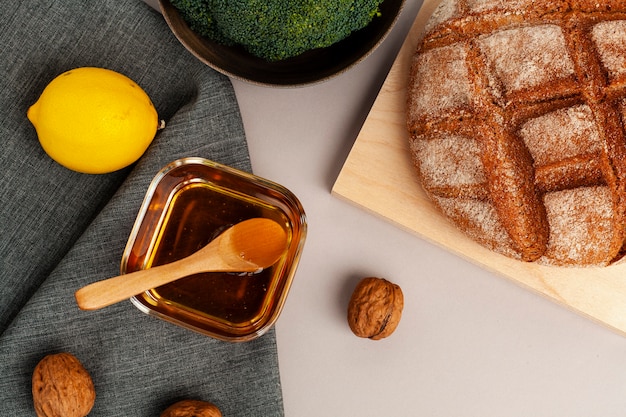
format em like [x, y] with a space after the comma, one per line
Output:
[378, 176]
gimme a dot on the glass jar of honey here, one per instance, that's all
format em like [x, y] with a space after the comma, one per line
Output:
[189, 203]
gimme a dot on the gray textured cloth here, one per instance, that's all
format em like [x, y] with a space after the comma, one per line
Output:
[60, 230]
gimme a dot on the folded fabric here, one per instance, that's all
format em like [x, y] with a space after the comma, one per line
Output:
[60, 230]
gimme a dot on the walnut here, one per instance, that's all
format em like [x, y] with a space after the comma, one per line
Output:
[62, 387]
[192, 408]
[375, 308]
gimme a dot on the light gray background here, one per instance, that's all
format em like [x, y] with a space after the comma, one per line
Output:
[470, 343]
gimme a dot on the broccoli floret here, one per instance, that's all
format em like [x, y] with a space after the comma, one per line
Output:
[277, 29]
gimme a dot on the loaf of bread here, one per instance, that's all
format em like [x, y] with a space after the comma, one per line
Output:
[516, 113]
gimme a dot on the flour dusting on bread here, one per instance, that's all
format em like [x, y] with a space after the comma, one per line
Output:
[516, 113]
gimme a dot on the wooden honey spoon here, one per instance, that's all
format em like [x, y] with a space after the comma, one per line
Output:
[248, 246]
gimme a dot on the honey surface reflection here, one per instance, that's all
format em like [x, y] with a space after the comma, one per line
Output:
[197, 214]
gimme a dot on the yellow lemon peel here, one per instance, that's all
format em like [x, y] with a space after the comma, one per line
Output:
[94, 120]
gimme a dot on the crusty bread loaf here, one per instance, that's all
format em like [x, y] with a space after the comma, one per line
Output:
[516, 114]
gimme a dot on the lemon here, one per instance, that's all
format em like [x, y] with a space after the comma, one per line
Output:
[94, 120]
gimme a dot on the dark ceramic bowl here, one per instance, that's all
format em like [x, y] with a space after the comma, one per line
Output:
[310, 67]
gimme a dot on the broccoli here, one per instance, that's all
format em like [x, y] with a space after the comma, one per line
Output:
[277, 29]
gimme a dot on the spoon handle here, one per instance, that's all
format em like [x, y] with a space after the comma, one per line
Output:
[110, 291]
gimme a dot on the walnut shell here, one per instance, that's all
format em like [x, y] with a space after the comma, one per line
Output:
[62, 387]
[375, 308]
[192, 408]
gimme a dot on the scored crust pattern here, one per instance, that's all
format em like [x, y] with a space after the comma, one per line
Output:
[516, 120]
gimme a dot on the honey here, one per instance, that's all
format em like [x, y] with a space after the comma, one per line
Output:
[190, 203]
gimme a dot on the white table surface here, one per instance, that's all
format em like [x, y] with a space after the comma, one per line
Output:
[470, 343]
